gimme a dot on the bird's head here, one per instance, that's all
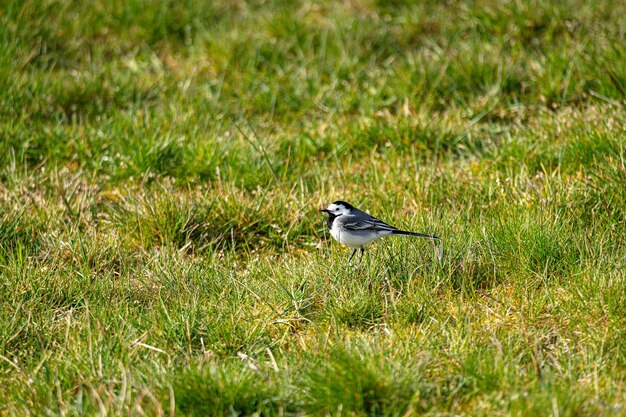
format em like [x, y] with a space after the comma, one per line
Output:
[338, 208]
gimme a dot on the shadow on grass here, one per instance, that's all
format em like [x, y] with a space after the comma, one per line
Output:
[225, 389]
[360, 381]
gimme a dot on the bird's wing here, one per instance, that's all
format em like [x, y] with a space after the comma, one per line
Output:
[368, 224]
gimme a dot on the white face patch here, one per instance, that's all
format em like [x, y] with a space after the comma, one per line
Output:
[338, 209]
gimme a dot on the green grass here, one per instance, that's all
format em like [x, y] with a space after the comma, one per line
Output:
[162, 165]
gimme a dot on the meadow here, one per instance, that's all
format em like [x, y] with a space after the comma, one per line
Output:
[162, 167]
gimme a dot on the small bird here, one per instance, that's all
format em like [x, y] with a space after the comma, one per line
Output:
[356, 229]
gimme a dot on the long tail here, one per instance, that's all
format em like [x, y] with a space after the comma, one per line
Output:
[405, 233]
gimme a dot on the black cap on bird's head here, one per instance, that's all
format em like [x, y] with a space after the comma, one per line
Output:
[338, 208]
[343, 203]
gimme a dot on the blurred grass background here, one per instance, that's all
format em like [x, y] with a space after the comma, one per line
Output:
[162, 164]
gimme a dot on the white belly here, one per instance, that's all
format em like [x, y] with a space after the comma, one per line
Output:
[355, 240]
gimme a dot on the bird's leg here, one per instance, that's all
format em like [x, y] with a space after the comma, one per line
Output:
[351, 256]
[361, 257]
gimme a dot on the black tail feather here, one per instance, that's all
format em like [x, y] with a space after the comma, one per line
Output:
[422, 235]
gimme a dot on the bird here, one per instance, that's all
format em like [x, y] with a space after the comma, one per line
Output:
[356, 229]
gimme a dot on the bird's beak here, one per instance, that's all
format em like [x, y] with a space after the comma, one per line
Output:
[325, 210]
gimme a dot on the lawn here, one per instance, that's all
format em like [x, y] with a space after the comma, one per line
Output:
[162, 167]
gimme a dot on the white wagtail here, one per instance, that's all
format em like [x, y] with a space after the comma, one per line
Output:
[356, 229]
